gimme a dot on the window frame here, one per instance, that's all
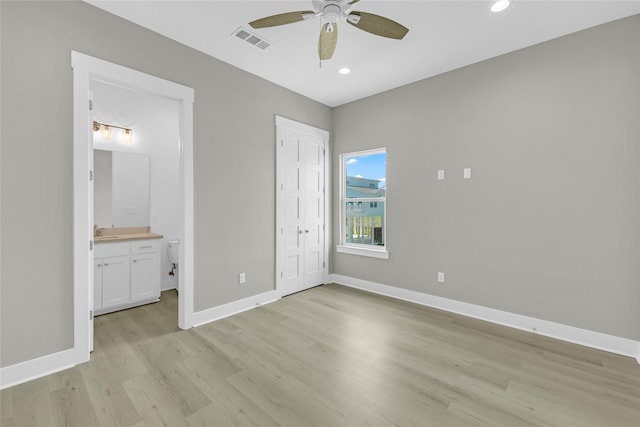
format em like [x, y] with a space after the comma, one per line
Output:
[358, 248]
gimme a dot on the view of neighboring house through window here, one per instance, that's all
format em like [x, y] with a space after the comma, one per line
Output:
[364, 194]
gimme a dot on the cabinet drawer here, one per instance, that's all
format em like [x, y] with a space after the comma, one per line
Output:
[111, 249]
[144, 246]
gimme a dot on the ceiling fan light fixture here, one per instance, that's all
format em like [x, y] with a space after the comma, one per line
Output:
[500, 5]
[331, 13]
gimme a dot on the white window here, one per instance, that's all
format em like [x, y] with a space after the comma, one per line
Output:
[363, 191]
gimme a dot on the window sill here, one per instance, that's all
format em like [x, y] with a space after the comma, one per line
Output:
[373, 253]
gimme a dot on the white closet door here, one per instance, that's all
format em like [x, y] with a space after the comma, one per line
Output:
[302, 210]
[314, 211]
[293, 213]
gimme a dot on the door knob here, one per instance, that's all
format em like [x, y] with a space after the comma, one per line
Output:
[299, 231]
[306, 231]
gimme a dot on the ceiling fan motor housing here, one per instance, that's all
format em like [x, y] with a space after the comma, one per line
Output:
[331, 12]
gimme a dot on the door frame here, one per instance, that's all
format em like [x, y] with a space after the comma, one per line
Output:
[85, 70]
[284, 123]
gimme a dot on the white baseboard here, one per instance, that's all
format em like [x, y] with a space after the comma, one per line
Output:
[169, 282]
[598, 340]
[226, 310]
[36, 368]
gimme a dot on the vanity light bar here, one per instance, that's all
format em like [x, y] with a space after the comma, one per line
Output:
[105, 131]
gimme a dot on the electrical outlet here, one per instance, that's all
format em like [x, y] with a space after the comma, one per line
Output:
[440, 174]
[440, 277]
[242, 278]
[466, 173]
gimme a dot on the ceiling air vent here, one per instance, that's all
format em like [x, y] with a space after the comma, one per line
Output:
[251, 38]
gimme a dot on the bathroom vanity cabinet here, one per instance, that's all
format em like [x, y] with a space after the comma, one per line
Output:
[126, 274]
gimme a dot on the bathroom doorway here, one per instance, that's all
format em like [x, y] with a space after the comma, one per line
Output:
[92, 76]
[136, 187]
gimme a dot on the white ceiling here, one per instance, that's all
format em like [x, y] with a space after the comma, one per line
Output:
[444, 35]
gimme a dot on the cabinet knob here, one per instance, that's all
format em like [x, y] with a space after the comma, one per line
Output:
[105, 264]
[135, 260]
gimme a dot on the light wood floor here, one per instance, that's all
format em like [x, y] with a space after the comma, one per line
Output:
[329, 356]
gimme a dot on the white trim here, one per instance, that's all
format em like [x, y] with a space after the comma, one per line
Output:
[598, 340]
[85, 70]
[357, 250]
[301, 127]
[234, 307]
[284, 123]
[36, 368]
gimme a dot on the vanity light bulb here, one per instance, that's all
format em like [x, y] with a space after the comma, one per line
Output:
[127, 135]
[105, 131]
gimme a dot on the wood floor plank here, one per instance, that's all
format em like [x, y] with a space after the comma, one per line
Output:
[70, 402]
[152, 402]
[31, 404]
[329, 356]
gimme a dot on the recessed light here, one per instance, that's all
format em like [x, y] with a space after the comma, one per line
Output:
[344, 70]
[500, 5]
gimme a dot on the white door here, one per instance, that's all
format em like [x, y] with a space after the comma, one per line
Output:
[92, 296]
[314, 211]
[292, 229]
[301, 209]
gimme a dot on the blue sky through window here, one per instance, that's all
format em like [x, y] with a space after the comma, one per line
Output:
[372, 166]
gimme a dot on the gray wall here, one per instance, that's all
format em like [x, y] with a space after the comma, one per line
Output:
[549, 224]
[234, 164]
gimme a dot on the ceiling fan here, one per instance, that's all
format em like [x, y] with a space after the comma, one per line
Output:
[330, 11]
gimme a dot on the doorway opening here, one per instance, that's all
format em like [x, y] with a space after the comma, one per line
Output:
[135, 188]
[87, 73]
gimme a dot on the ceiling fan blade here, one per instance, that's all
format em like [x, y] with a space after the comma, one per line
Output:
[328, 41]
[379, 25]
[281, 19]
[353, 1]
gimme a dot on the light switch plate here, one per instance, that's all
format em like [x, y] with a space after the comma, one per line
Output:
[440, 174]
[466, 173]
[242, 278]
[440, 277]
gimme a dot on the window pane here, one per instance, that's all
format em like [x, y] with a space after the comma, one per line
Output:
[365, 223]
[366, 175]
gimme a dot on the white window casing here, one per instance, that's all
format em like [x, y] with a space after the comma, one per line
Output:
[363, 200]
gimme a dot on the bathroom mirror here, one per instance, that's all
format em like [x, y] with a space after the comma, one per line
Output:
[120, 189]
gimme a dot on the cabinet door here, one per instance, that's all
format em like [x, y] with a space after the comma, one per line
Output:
[115, 281]
[145, 277]
[97, 284]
